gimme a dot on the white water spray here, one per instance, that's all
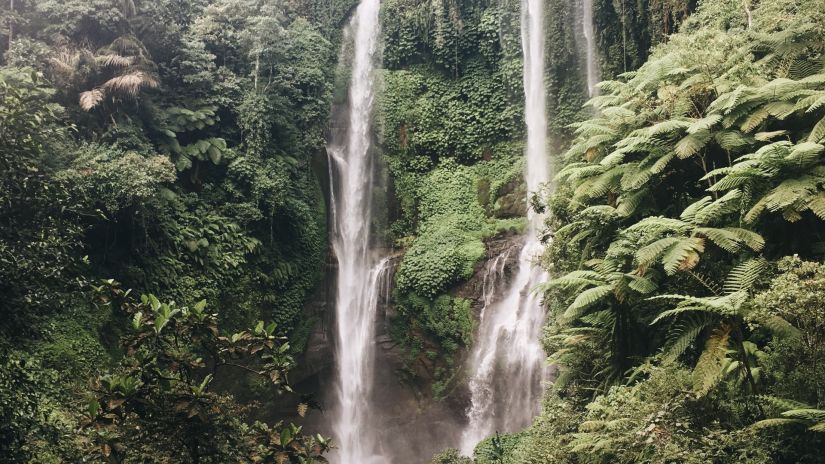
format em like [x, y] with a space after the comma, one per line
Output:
[361, 272]
[590, 47]
[508, 361]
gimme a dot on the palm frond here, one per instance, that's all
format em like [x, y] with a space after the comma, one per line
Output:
[131, 83]
[90, 99]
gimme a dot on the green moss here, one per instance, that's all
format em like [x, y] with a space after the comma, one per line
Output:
[75, 342]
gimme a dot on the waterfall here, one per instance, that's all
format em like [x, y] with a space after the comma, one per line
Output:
[590, 47]
[507, 362]
[361, 271]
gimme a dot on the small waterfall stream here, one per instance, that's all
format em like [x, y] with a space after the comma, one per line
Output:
[361, 271]
[507, 362]
[590, 47]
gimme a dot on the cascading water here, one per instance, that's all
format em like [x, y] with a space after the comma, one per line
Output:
[590, 47]
[360, 270]
[507, 363]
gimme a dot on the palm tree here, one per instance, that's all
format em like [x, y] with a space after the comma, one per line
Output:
[127, 68]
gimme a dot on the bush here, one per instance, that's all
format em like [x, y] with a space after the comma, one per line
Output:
[450, 456]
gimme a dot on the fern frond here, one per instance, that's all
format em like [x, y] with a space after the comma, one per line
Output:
[131, 83]
[731, 139]
[817, 205]
[743, 275]
[627, 204]
[780, 109]
[586, 299]
[814, 103]
[814, 415]
[634, 178]
[708, 370]
[775, 422]
[782, 404]
[780, 327]
[818, 132]
[683, 255]
[806, 153]
[681, 309]
[704, 124]
[667, 127]
[592, 425]
[575, 278]
[691, 144]
[684, 333]
[708, 212]
[661, 163]
[749, 238]
[820, 427]
[755, 119]
[641, 284]
[650, 253]
[114, 60]
[768, 136]
[689, 214]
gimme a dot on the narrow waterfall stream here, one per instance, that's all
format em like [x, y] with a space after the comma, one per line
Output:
[507, 362]
[590, 47]
[361, 270]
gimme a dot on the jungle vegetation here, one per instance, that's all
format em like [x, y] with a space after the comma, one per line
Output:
[163, 222]
[686, 307]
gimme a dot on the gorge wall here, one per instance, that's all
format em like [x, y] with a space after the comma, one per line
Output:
[449, 121]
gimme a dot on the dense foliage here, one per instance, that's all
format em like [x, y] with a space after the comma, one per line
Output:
[175, 148]
[167, 145]
[685, 308]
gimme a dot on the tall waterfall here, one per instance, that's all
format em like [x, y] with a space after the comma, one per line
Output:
[590, 47]
[507, 363]
[360, 269]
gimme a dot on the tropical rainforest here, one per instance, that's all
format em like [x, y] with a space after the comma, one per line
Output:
[165, 218]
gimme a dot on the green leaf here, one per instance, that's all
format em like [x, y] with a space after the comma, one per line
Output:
[200, 306]
[137, 319]
[286, 436]
[214, 154]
